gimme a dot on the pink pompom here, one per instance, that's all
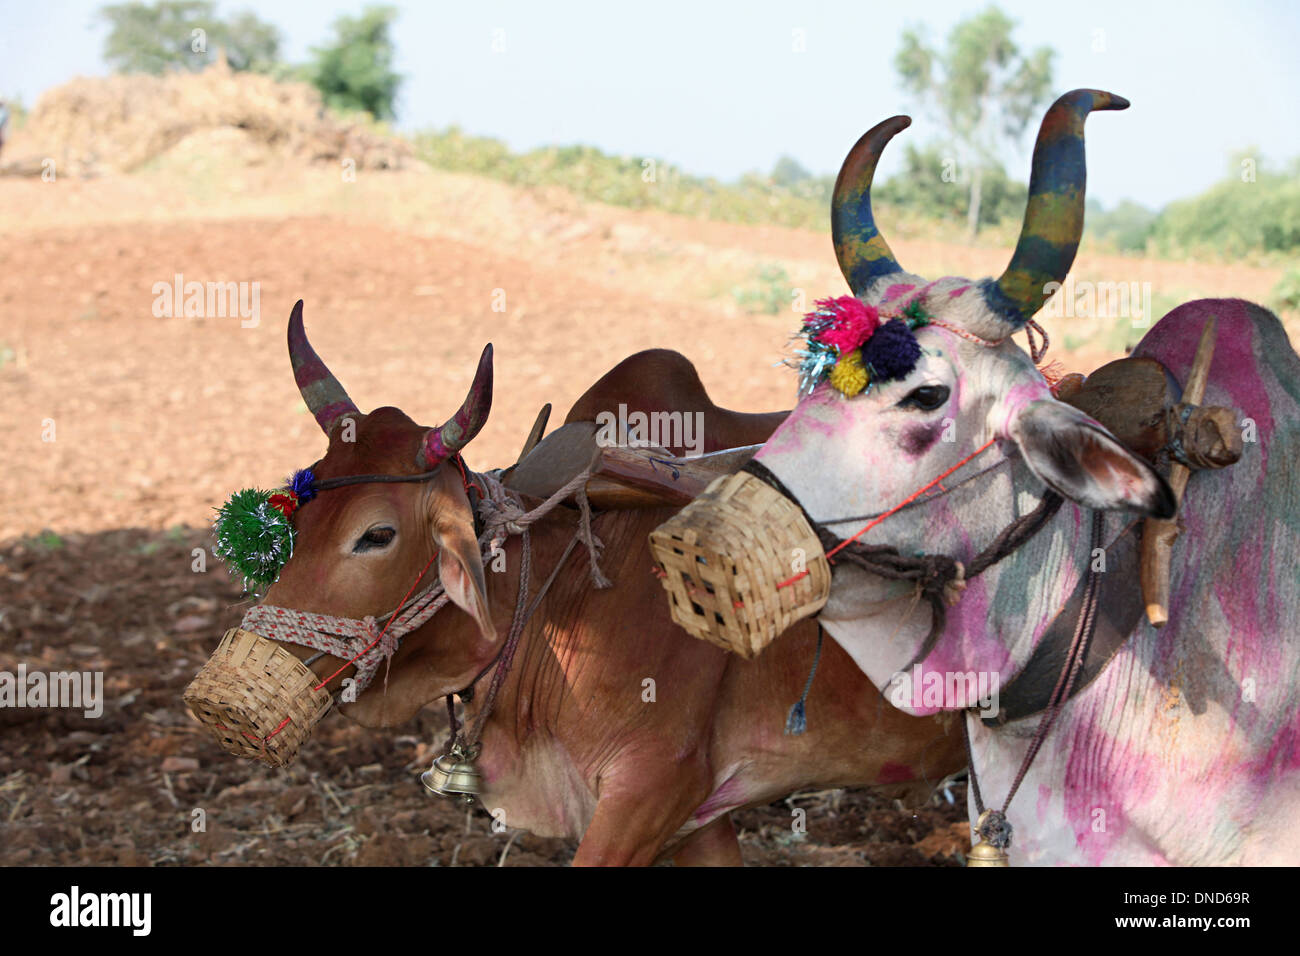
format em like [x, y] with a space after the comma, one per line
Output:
[854, 322]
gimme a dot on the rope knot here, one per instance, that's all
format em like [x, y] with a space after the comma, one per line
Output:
[954, 588]
[388, 641]
[937, 572]
[383, 645]
[503, 516]
[994, 829]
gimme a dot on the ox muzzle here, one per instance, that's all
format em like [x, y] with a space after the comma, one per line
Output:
[741, 564]
[258, 700]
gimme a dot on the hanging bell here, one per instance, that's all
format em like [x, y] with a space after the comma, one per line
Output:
[452, 775]
[995, 836]
[986, 854]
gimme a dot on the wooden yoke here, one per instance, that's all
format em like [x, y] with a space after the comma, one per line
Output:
[639, 477]
[1158, 536]
[1139, 402]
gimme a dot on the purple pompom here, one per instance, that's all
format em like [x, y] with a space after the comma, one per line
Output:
[892, 352]
[301, 485]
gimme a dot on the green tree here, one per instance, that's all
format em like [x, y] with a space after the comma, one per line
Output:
[788, 172]
[983, 88]
[16, 110]
[1255, 210]
[926, 186]
[185, 35]
[1128, 225]
[356, 71]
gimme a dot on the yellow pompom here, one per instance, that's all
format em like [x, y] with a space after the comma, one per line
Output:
[848, 374]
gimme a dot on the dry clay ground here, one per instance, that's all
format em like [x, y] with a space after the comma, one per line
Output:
[122, 431]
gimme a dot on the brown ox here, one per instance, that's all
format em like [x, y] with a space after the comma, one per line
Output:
[572, 748]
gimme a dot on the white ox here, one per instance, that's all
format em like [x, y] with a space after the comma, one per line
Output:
[1185, 747]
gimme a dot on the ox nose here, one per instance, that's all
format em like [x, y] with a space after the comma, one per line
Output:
[257, 699]
[741, 564]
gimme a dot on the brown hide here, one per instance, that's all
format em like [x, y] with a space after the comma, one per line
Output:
[661, 380]
[574, 745]
[573, 748]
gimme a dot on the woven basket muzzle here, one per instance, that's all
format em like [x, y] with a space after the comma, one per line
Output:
[258, 700]
[723, 556]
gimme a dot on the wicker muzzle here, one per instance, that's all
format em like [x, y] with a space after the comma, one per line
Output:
[258, 700]
[723, 556]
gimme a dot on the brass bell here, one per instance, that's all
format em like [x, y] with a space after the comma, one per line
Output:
[986, 854]
[452, 775]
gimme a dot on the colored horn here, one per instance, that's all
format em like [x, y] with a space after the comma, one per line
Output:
[320, 389]
[863, 254]
[1053, 222]
[446, 440]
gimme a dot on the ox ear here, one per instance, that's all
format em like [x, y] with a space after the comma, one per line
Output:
[1076, 457]
[460, 567]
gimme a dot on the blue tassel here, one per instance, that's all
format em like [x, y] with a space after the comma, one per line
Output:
[797, 722]
[300, 483]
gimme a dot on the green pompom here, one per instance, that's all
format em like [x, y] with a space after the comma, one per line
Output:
[253, 538]
[915, 315]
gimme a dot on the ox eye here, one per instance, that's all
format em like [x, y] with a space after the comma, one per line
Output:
[374, 539]
[925, 397]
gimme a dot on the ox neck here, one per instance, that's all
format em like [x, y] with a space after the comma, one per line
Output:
[551, 543]
[997, 622]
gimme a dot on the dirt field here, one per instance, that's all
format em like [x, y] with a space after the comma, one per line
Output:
[122, 789]
[122, 431]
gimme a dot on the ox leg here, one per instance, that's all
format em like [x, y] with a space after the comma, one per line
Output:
[632, 824]
[713, 845]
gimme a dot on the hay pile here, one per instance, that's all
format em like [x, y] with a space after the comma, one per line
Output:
[116, 124]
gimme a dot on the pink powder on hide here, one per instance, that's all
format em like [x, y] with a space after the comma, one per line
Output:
[1238, 599]
[1234, 368]
[896, 773]
[816, 414]
[1283, 758]
[1017, 397]
[728, 796]
[895, 291]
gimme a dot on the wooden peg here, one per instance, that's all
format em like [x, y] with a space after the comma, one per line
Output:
[1158, 536]
[538, 430]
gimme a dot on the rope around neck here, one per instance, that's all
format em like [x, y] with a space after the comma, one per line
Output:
[992, 825]
[939, 578]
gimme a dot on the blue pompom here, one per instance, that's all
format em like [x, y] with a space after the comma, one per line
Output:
[300, 483]
[892, 351]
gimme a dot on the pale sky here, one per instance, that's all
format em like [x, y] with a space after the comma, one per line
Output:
[716, 88]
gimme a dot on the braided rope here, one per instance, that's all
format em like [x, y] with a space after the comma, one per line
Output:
[969, 336]
[361, 642]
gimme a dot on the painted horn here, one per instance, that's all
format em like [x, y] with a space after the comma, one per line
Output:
[1053, 222]
[863, 254]
[320, 389]
[446, 440]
